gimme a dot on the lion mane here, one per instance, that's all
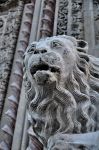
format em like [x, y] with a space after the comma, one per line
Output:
[60, 100]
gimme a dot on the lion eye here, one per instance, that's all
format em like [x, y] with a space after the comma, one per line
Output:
[55, 44]
[31, 49]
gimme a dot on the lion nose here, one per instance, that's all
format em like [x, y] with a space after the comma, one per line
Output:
[40, 51]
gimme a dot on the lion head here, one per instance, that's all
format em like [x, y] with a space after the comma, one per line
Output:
[57, 75]
[50, 60]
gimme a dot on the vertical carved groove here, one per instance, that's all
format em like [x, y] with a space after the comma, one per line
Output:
[47, 18]
[7, 47]
[16, 78]
[89, 30]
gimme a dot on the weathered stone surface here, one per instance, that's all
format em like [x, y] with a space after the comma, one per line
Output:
[96, 19]
[70, 18]
[66, 84]
[6, 4]
[79, 18]
[87, 141]
[9, 29]
[13, 95]
[62, 17]
[47, 19]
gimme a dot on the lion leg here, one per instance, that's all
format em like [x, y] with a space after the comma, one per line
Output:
[74, 141]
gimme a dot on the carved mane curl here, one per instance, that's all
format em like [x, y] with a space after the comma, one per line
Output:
[69, 106]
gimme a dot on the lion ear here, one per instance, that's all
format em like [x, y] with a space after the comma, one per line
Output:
[71, 38]
[82, 46]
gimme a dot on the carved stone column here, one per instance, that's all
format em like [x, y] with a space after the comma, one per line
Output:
[8, 40]
[47, 19]
[12, 100]
[43, 15]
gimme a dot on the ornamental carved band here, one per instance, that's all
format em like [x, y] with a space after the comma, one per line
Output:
[62, 85]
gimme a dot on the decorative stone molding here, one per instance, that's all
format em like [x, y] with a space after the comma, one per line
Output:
[62, 19]
[77, 26]
[14, 88]
[8, 39]
[70, 18]
[47, 20]
[96, 20]
[65, 102]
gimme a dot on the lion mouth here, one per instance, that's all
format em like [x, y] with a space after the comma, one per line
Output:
[39, 67]
[44, 67]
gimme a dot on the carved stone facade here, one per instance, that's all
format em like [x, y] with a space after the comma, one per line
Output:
[77, 26]
[47, 19]
[21, 23]
[96, 19]
[62, 17]
[70, 18]
[79, 18]
[10, 24]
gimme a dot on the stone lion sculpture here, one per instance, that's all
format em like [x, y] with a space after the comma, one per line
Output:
[62, 85]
